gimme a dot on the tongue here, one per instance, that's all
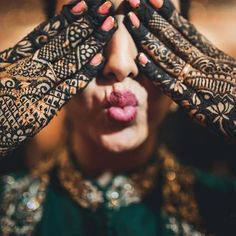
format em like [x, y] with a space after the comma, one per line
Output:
[125, 114]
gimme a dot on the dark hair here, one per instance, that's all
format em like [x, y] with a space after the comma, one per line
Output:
[184, 8]
[50, 7]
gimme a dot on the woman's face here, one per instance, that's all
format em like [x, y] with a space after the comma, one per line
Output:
[121, 108]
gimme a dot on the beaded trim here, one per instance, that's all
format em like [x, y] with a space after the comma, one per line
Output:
[178, 192]
[21, 207]
[22, 200]
[122, 192]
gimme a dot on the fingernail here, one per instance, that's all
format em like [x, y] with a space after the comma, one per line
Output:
[79, 8]
[108, 24]
[134, 19]
[134, 3]
[143, 60]
[156, 3]
[104, 8]
[96, 60]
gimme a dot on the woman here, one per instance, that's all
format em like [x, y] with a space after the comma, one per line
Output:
[109, 179]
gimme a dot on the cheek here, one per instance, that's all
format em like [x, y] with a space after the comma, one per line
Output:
[158, 103]
[158, 109]
[81, 109]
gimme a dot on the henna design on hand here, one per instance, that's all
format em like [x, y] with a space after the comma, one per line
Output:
[47, 30]
[34, 88]
[203, 85]
[190, 32]
[211, 109]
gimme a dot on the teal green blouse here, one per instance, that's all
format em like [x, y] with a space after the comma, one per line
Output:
[59, 215]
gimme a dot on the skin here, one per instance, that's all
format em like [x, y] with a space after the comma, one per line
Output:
[100, 144]
[97, 143]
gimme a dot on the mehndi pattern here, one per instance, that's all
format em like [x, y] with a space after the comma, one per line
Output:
[35, 87]
[188, 68]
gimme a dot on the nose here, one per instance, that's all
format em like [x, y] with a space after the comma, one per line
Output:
[120, 55]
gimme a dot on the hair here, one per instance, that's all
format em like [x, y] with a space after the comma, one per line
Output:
[50, 7]
[184, 8]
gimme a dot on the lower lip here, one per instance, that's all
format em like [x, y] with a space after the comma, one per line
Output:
[125, 114]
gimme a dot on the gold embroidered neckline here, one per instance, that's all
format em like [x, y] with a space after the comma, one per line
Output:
[123, 191]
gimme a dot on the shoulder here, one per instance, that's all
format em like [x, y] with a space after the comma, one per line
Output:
[197, 197]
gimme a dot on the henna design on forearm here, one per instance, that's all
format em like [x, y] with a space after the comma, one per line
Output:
[157, 49]
[37, 38]
[212, 109]
[26, 110]
[190, 32]
[203, 85]
[34, 88]
[197, 39]
[174, 40]
[46, 31]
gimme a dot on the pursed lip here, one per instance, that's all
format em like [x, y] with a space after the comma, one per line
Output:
[121, 99]
[121, 106]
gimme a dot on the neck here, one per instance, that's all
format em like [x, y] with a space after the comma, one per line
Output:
[95, 159]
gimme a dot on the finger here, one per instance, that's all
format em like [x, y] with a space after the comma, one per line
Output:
[168, 34]
[43, 33]
[73, 62]
[30, 70]
[99, 10]
[167, 10]
[72, 86]
[183, 95]
[170, 85]
[72, 35]
[157, 50]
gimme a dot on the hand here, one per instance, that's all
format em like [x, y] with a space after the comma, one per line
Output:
[177, 58]
[37, 80]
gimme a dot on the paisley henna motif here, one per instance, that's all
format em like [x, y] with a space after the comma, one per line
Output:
[207, 91]
[35, 87]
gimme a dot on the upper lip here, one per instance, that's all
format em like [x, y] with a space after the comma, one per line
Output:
[121, 99]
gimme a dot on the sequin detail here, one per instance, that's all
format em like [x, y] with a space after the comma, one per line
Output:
[21, 207]
[123, 191]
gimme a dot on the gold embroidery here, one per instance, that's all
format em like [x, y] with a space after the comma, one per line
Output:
[178, 192]
[22, 204]
[123, 191]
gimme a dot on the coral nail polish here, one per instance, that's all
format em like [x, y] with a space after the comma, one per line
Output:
[156, 3]
[96, 60]
[143, 60]
[104, 8]
[108, 24]
[79, 7]
[134, 3]
[134, 19]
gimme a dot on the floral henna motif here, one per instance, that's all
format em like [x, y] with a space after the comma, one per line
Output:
[197, 39]
[210, 102]
[34, 88]
[47, 30]
[167, 16]
[37, 38]
[204, 86]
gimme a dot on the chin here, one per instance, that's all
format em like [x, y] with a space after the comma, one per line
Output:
[124, 140]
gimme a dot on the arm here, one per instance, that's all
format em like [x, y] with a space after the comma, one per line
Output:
[35, 85]
[188, 68]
